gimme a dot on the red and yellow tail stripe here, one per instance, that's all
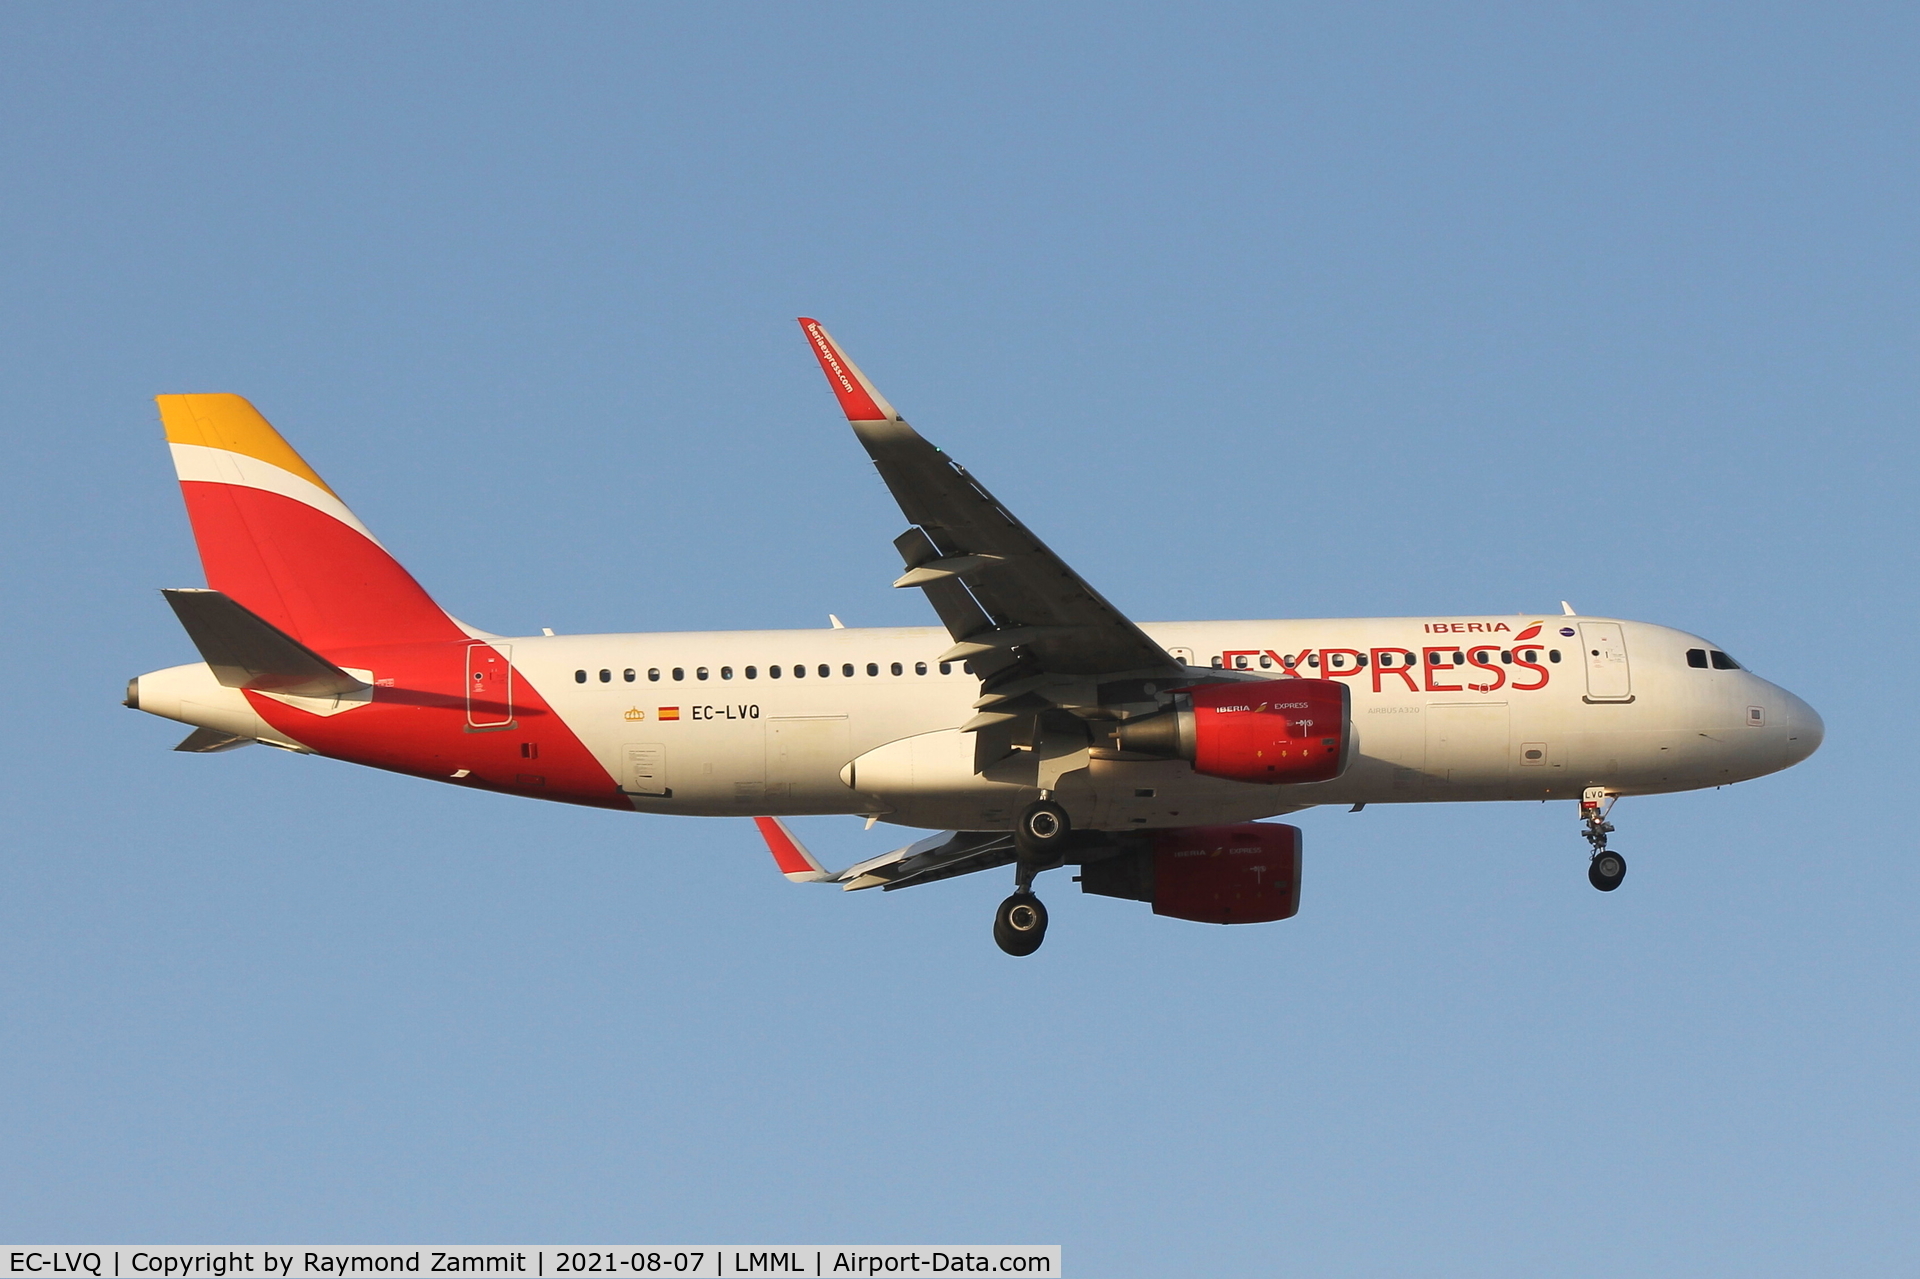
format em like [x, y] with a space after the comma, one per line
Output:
[274, 536]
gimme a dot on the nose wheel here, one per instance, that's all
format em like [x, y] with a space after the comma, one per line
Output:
[1020, 925]
[1607, 868]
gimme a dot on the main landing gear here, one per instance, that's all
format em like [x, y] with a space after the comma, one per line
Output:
[1607, 868]
[1020, 924]
[1040, 838]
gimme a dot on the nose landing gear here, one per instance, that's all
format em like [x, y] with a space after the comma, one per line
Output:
[1606, 868]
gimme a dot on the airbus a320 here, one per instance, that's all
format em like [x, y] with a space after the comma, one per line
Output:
[1035, 727]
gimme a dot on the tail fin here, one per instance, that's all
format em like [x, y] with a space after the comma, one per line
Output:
[277, 540]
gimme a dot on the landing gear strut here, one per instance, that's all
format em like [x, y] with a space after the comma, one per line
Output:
[1606, 868]
[1040, 838]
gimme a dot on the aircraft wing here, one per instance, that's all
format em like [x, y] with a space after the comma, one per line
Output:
[939, 856]
[1013, 607]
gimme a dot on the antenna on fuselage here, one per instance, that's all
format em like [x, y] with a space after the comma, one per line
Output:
[1567, 609]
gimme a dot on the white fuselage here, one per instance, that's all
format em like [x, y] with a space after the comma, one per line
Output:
[695, 722]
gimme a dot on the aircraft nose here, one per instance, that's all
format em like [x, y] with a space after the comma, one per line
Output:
[1805, 729]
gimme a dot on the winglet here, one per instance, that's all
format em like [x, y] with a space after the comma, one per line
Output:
[789, 854]
[858, 398]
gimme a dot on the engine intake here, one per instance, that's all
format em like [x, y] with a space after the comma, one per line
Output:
[1274, 731]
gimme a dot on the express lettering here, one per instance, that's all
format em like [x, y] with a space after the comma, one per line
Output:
[1430, 669]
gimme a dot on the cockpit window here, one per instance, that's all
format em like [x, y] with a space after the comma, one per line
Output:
[1721, 662]
[1697, 657]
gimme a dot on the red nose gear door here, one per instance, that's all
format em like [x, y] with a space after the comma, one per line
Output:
[489, 686]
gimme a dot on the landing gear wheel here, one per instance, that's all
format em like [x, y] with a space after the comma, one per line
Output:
[1606, 871]
[1042, 830]
[1020, 924]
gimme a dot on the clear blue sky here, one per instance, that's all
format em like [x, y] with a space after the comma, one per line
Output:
[1251, 311]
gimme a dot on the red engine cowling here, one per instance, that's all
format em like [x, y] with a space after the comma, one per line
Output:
[1275, 731]
[1243, 874]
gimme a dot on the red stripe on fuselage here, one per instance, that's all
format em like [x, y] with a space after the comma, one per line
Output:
[321, 581]
[417, 723]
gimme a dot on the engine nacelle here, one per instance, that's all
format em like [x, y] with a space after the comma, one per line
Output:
[1243, 874]
[1274, 731]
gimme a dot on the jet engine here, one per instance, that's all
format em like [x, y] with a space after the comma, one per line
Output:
[1243, 874]
[1273, 731]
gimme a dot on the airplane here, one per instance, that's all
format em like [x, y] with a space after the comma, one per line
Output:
[1037, 726]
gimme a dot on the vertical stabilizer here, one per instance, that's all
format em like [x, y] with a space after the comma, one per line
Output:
[277, 540]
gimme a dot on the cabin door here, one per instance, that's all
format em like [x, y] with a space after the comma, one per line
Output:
[1603, 647]
[489, 686]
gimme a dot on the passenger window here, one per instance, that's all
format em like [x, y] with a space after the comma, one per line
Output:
[1266, 663]
[628, 675]
[898, 669]
[1360, 660]
[1240, 663]
[946, 668]
[1721, 662]
[846, 669]
[606, 677]
[1314, 661]
[726, 672]
[700, 672]
[653, 674]
[1217, 663]
[1553, 655]
[679, 672]
[1506, 657]
[1697, 658]
[752, 673]
[579, 677]
[919, 668]
[773, 672]
[826, 670]
[873, 668]
[799, 672]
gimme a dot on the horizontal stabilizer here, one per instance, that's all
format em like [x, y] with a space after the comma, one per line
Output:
[206, 741]
[246, 652]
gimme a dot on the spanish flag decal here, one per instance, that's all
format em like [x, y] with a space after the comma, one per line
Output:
[669, 712]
